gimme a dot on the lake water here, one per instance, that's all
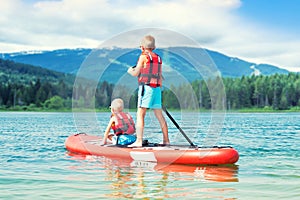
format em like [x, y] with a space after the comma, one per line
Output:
[36, 165]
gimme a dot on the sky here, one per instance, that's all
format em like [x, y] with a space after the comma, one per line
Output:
[259, 31]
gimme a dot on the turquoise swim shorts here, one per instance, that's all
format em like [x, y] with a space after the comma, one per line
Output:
[149, 97]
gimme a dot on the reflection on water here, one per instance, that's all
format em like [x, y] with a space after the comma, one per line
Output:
[34, 164]
[219, 173]
[140, 179]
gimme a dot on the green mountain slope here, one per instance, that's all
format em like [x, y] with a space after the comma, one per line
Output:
[13, 72]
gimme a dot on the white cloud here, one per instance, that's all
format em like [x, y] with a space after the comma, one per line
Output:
[76, 23]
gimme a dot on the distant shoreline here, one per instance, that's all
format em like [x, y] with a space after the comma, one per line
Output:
[243, 110]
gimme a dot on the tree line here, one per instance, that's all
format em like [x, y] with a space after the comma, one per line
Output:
[277, 92]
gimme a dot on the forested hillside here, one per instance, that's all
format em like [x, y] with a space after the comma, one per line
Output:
[25, 87]
[12, 72]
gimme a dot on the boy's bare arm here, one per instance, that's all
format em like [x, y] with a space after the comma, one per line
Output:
[107, 130]
[135, 71]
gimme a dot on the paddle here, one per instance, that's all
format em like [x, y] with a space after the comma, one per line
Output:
[178, 127]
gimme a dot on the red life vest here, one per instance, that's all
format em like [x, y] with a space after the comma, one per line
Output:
[150, 74]
[124, 124]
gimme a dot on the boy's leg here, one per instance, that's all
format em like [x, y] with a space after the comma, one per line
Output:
[141, 112]
[163, 124]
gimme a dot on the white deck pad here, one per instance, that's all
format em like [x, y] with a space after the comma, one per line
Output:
[143, 156]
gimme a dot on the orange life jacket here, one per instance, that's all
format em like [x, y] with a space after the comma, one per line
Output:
[150, 74]
[124, 124]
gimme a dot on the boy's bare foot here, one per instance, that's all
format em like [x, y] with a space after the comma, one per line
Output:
[135, 144]
[164, 144]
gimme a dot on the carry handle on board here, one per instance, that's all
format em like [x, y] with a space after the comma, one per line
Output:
[178, 127]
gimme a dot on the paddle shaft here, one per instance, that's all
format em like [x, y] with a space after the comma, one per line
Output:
[178, 127]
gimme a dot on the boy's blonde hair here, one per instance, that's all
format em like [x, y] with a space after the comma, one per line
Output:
[117, 105]
[148, 42]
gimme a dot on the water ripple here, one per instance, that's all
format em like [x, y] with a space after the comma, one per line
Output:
[35, 164]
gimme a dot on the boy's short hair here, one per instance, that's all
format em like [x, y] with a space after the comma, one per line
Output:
[148, 42]
[117, 104]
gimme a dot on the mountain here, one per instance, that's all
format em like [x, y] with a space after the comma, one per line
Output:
[13, 72]
[62, 60]
[119, 59]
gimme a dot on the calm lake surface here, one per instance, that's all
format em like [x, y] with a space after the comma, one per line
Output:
[36, 165]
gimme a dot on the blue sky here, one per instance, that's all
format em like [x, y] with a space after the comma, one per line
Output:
[277, 14]
[259, 31]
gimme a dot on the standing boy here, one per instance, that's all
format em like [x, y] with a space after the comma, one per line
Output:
[149, 73]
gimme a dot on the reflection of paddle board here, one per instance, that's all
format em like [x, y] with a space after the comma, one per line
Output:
[218, 173]
[90, 145]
